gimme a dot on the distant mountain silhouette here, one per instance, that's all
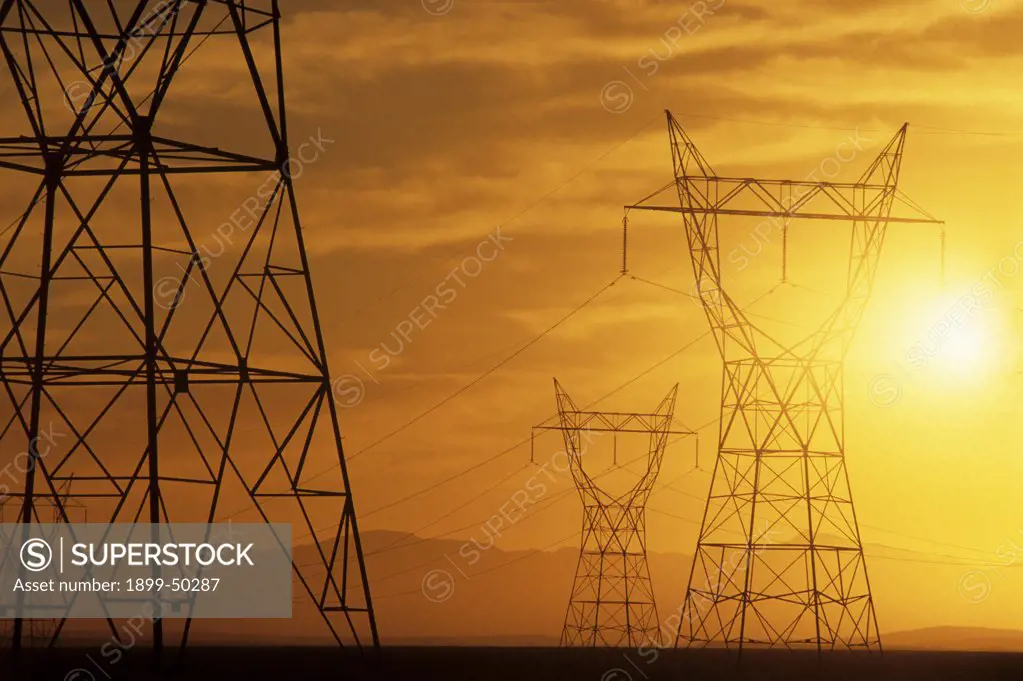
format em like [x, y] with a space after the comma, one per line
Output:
[956, 638]
[445, 592]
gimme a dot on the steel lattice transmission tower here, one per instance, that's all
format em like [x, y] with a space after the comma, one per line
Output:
[165, 373]
[612, 601]
[779, 559]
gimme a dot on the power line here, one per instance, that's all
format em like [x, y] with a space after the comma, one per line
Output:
[543, 506]
[923, 539]
[526, 440]
[510, 357]
[530, 343]
[621, 387]
[670, 487]
[550, 503]
[433, 522]
[448, 399]
[540, 508]
[481, 358]
[929, 557]
[905, 559]
[445, 481]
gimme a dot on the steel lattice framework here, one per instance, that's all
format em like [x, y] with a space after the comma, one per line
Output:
[612, 602]
[779, 559]
[169, 375]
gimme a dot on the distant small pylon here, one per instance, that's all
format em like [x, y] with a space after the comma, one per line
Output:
[612, 602]
[40, 632]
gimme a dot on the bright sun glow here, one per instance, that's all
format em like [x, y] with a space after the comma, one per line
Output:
[966, 346]
[952, 338]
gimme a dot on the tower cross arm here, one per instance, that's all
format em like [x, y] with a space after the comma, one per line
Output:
[783, 214]
[784, 199]
[616, 422]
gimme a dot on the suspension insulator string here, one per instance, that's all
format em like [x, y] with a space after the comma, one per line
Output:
[625, 242]
[785, 240]
[785, 252]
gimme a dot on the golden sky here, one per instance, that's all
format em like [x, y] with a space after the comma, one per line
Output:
[451, 122]
[492, 114]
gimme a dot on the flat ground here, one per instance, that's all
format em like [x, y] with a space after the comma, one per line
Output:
[518, 664]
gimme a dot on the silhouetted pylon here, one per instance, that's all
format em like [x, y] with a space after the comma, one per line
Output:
[159, 338]
[36, 632]
[779, 559]
[612, 602]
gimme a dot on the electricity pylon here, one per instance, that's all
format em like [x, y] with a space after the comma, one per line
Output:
[612, 602]
[37, 633]
[163, 374]
[780, 470]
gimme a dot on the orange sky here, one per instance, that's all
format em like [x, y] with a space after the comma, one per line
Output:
[452, 119]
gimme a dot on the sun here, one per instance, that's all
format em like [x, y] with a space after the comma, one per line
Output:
[968, 346]
[965, 349]
[948, 338]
